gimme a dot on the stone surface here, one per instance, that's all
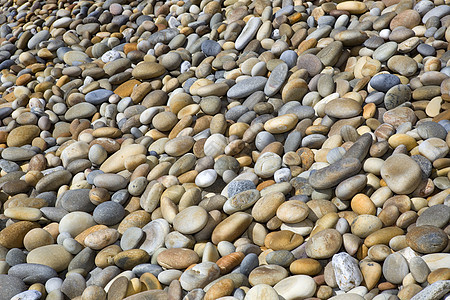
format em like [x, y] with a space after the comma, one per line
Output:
[220, 149]
[401, 173]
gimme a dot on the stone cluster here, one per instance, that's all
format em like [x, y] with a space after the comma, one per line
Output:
[233, 150]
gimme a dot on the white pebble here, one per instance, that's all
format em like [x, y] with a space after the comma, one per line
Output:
[206, 178]
[385, 33]
[110, 55]
[282, 175]
[346, 270]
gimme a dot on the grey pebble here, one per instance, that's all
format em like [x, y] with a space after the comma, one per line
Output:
[238, 186]
[32, 273]
[109, 213]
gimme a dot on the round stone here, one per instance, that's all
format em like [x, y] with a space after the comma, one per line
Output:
[436, 215]
[109, 213]
[395, 268]
[190, 220]
[148, 70]
[383, 82]
[267, 274]
[206, 178]
[324, 244]
[211, 48]
[433, 148]
[427, 239]
[54, 256]
[342, 108]
[267, 164]
[177, 258]
[22, 135]
[281, 124]
[296, 287]
[401, 173]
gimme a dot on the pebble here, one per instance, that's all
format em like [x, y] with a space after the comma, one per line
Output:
[434, 291]
[401, 173]
[419, 239]
[395, 268]
[346, 271]
[335, 173]
[246, 87]
[285, 288]
[11, 286]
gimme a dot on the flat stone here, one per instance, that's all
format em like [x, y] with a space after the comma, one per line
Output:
[276, 79]
[28, 295]
[385, 51]
[115, 162]
[77, 200]
[32, 273]
[111, 182]
[395, 268]
[11, 286]
[42, 35]
[267, 164]
[241, 201]
[248, 33]
[232, 227]
[267, 274]
[54, 256]
[433, 291]
[246, 87]
[98, 96]
[76, 222]
[177, 258]
[427, 239]
[324, 244]
[383, 82]
[430, 129]
[53, 181]
[419, 269]
[190, 220]
[238, 186]
[403, 65]
[342, 108]
[12, 236]
[436, 215]
[156, 232]
[211, 48]
[148, 70]
[304, 287]
[401, 173]
[438, 11]
[108, 213]
[17, 154]
[199, 276]
[22, 135]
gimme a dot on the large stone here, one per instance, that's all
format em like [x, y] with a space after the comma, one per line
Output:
[22, 135]
[335, 173]
[401, 173]
[54, 256]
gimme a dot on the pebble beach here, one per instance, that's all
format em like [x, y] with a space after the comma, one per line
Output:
[231, 150]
